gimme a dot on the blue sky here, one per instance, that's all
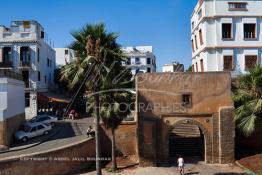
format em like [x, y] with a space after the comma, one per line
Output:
[164, 24]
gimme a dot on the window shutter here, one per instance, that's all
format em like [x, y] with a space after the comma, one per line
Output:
[1, 55]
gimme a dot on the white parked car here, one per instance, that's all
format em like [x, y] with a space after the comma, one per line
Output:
[33, 130]
[47, 119]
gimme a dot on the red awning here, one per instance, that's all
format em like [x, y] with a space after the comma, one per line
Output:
[52, 97]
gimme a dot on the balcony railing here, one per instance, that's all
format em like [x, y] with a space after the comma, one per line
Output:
[6, 64]
[10, 74]
[24, 64]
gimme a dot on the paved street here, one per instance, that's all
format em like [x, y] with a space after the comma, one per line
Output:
[191, 169]
[67, 132]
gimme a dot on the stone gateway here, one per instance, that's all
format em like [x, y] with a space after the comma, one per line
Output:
[184, 113]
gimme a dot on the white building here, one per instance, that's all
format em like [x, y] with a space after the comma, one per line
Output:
[226, 35]
[25, 49]
[141, 59]
[173, 67]
[12, 105]
[64, 56]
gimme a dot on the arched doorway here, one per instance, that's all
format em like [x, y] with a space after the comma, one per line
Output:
[187, 139]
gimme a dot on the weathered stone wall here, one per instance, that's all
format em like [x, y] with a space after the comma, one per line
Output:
[126, 142]
[160, 107]
[226, 133]
[161, 93]
[8, 129]
[68, 164]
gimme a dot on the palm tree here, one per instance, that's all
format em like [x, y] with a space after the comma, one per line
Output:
[96, 51]
[248, 101]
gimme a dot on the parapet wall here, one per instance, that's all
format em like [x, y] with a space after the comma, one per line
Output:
[65, 160]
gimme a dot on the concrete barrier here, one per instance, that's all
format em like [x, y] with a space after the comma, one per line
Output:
[63, 160]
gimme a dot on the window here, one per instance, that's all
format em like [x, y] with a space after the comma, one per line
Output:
[226, 30]
[66, 52]
[149, 69]
[249, 31]
[250, 62]
[42, 34]
[228, 63]
[148, 61]
[25, 54]
[137, 60]
[33, 129]
[39, 76]
[202, 65]
[196, 68]
[237, 5]
[196, 42]
[27, 99]
[128, 61]
[25, 75]
[192, 24]
[199, 14]
[192, 43]
[187, 100]
[48, 62]
[7, 55]
[38, 55]
[39, 127]
[200, 37]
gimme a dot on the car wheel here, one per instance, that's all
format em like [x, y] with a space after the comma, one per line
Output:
[52, 124]
[24, 139]
[46, 132]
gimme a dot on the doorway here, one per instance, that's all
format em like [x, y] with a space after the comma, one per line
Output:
[187, 140]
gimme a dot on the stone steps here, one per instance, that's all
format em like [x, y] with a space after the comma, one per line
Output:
[185, 140]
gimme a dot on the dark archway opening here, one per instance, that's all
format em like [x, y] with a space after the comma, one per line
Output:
[188, 140]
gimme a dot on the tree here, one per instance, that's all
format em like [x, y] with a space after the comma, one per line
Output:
[116, 103]
[189, 69]
[248, 101]
[96, 51]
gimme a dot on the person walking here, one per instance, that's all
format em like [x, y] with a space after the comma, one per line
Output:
[181, 165]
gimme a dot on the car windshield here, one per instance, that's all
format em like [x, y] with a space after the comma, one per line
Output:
[33, 119]
[27, 128]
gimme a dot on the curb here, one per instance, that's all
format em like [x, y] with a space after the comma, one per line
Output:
[33, 145]
[246, 169]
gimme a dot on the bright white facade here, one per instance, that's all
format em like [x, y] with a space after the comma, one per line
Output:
[11, 94]
[226, 35]
[173, 67]
[64, 56]
[12, 105]
[141, 59]
[25, 50]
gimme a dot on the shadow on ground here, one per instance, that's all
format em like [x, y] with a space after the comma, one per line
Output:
[191, 173]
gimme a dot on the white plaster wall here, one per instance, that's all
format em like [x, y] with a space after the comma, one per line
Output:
[61, 56]
[214, 46]
[143, 53]
[12, 97]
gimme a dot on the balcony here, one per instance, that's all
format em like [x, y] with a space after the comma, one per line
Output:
[10, 74]
[24, 64]
[6, 64]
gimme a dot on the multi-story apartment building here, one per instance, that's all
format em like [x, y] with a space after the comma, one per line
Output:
[141, 59]
[173, 67]
[25, 49]
[64, 56]
[226, 35]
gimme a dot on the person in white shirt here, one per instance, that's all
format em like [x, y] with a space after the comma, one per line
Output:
[181, 164]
